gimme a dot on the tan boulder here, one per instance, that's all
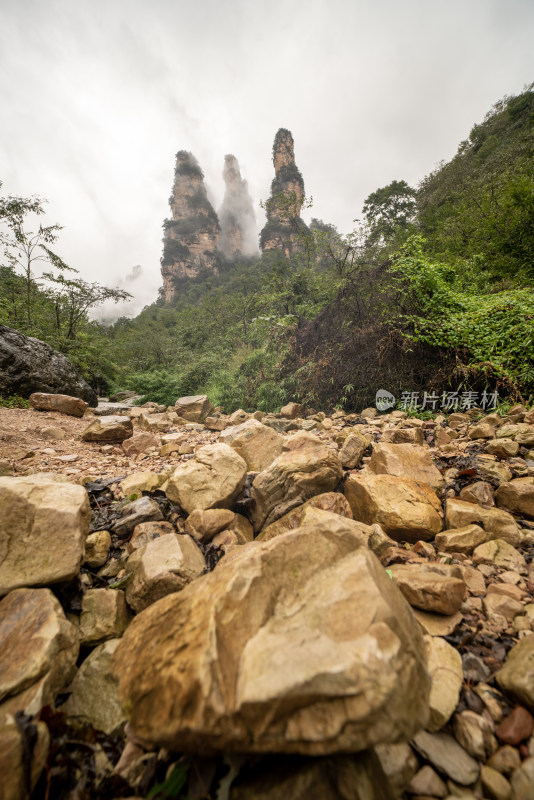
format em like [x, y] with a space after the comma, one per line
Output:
[461, 540]
[139, 443]
[213, 479]
[104, 615]
[404, 508]
[20, 767]
[414, 436]
[94, 697]
[438, 588]
[165, 565]
[525, 437]
[274, 630]
[517, 496]
[353, 449]
[194, 408]
[143, 509]
[500, 553]
[108, 429]
[292, 410]
[53, 432]
[493, 470]
[437, 624]
[291, 479]
[334, 502]
[64, 403]
[145, 532]
[43, 523]
[156, 423]
[203, 525]
[406, 461]
[36, 642]
[482, 430]
[97, 546]
[138, 482]
[257, 444]
[444, 664]
[498, 523]
[480, 492]
[502, 448]
[516, 677]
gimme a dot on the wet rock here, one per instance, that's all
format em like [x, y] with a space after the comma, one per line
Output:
[43, 524]
[213, 479]
[447, 756]
[63, 403]
[405, 509]
[291, 479]
[257, 444]
[194, 408]
[36, 642]
[445, 669]
[500, 524]
[108, 429]
[516, 678]
[205, 668]
[406, 461]
[97, 546]
[104, 615]
[94, 697]
[438, 588]
[334, 502]
[164, 566]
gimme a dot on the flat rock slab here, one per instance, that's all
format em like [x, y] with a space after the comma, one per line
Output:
[267, 654]
[63, 403]
[43, 523]
[446, 755]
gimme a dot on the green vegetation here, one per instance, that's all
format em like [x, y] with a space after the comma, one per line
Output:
[433, 292]
[13, 401]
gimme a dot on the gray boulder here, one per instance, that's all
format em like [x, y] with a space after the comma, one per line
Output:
[28, 365]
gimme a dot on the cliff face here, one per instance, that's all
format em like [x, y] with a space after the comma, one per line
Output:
[236, 215]
[287, 196]
[191, 236]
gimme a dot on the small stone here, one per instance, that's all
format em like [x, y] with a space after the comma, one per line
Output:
[194, 408]
[517, 496]
[399, 763]
[97, 546]
[142, 510]
[495, 785]
[204, 525]
[444, 665]
[495, 470]
[104, 615]
[19, 765]
[495, 521]
[480, 493]
[461, 540]
[353, 449]
[53, 433]
[516, 727]
[139, 443]
[475, 734]
[481, 431]
[447, 756]
[139, 482]
[108, 429]
[437, 624]
[505, 760]
[145, 532]
[437, 588]
[492, 699]
[502, 448]
[292, 411]
[427, 783]
[474, 668]
[502, 605]
[523, 781]
[501, 554]
[516, 678]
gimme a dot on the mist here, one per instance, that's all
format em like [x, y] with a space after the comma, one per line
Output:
[236, 215]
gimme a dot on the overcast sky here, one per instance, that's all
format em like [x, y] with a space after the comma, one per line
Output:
[97, 96]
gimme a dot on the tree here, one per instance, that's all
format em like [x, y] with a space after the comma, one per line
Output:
[75, 297]
[388, 209]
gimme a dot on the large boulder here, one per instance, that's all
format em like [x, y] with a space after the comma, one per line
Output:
[43, 524]
[63, 403]
[37, 644]
[291, 479]
[497, 523]
[517, 496]
[110, 428]
[194, 408]
[258, 444]
[406, 461]
[404, 508]
[335, 502]
[516, 678]
[291, 647]
[28, 365]
[213, 479]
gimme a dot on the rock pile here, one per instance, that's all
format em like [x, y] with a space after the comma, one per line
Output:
[271, 605]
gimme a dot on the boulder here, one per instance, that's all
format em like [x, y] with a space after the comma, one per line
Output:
[63, 403]
[20, 766]
[194, 408]
[461, 540]
[203, 525]
[502, 448]
[104, 615]
[291, 479]
[267, 654]
[154, 423]
[138, 482]
[292, 411]
[165, 565]
[517, 496]
[328, 501]
[108, 429]
[213, 479]
[405, 509]
[406, 461]
[144, 509]
[444, 664]
[97, 546]
[145, 532]
[353, 449]
[43, 523]
[438, 588]
[500, 553]
[499, 524]
[257, 444]
[139, 443]
[28, 365]
[414, 436]
[489, 469]
[94, 698]
[480, 492]
[516, 677]
[37, 643]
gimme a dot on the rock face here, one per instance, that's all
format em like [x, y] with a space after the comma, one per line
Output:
[43, 524]
[191, 236]
[287, 196]
[28, 365]
[236, 215]
[245, 660]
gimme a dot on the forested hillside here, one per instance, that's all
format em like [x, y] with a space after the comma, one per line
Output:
[432, 290]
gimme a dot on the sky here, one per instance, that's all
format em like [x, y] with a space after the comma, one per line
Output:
[97, 96]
